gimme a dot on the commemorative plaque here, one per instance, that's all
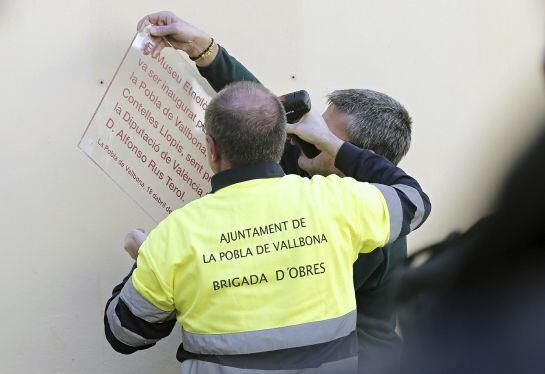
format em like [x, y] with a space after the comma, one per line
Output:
[147, 132]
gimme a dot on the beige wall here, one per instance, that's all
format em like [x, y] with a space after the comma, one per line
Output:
[468, 71]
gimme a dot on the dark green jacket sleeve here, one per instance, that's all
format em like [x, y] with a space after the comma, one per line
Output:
[225, 69]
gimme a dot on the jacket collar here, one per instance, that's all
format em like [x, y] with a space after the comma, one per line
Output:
[245, 173]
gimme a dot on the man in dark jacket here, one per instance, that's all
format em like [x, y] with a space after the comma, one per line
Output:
[367, 119]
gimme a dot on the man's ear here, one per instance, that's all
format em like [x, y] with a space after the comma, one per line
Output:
[212, 148]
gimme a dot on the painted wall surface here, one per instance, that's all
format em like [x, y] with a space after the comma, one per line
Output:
[468, 72]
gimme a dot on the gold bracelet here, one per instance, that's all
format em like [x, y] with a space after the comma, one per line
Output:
[206, 53]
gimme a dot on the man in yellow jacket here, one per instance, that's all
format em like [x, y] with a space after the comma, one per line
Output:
[259, 272]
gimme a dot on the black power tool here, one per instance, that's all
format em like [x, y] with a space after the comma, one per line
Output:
[297, 104]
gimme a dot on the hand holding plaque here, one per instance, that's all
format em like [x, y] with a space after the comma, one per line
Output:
[180, 34]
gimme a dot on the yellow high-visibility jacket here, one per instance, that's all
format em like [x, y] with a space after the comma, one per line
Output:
[264, 263]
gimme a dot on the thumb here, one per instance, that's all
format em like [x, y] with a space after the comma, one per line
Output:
[290, 128]
[164, 30]
[139, 236]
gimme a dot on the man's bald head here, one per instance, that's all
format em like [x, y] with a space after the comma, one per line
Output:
[248, 123]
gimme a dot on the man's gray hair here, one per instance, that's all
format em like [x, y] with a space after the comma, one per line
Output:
[248, 122]
[376, 121]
